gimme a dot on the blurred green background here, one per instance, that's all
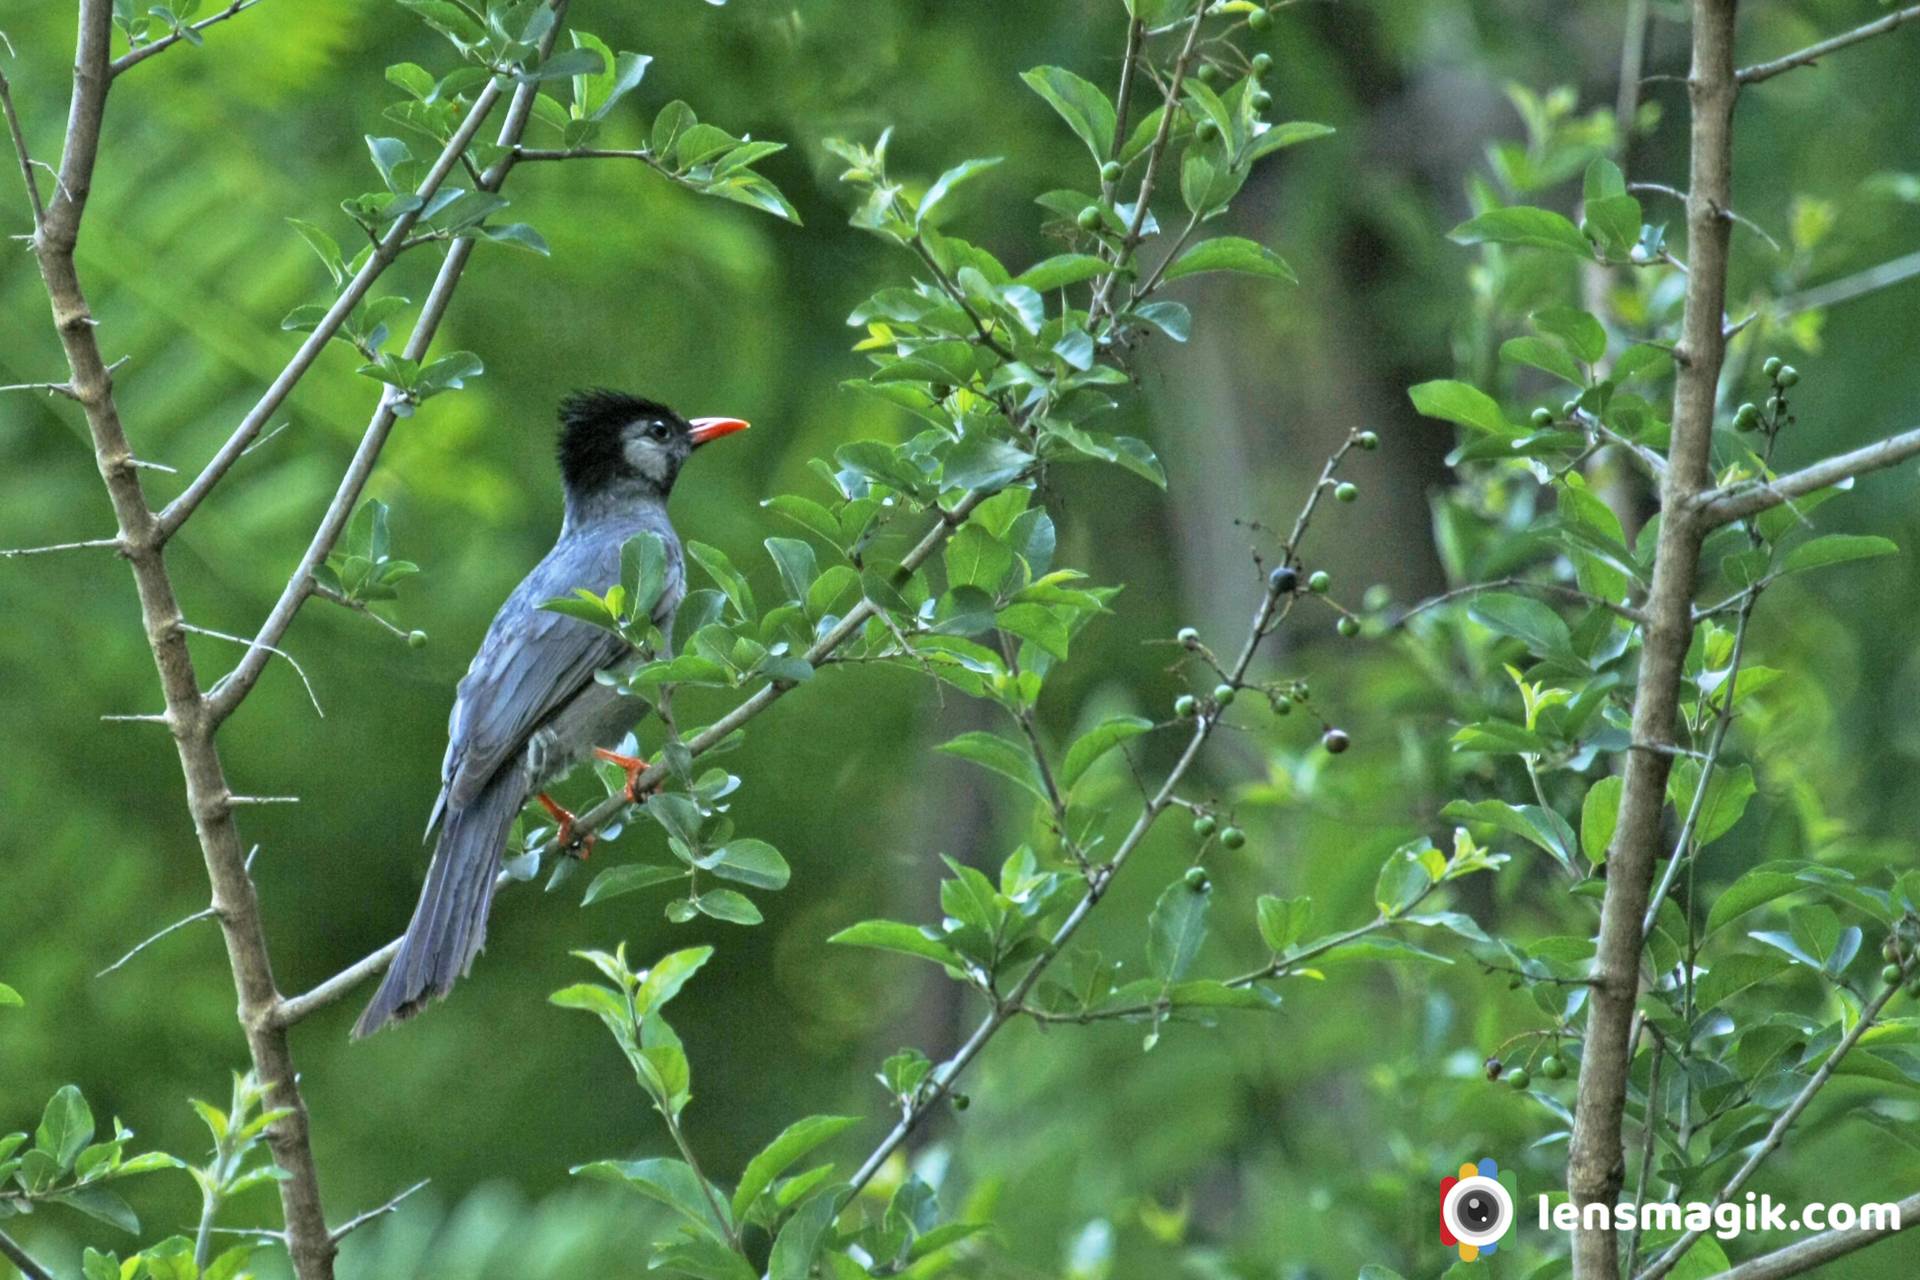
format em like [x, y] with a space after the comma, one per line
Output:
[1299, 1145]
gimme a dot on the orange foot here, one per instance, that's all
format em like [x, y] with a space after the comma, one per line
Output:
[565, 835]
[634, 766]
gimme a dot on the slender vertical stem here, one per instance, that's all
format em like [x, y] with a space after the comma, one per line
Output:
[1596, 1162]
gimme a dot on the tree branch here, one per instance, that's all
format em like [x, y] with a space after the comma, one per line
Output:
[182, 507]
[1715, 507]
[1596, 1162]
[234, 688]
[1814, 52]
[134, 57]
[13, 553]
[1815, 1251]
[1559, 589]
[1778, 1133]
[20, 150]
[359, 1220]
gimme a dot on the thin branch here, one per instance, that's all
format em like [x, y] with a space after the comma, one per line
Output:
[1649, 1124]
[359, 1220]
[1816, 1251]
[181, 508]
[20, 149]
[241, 679]
[1814, 52]
[1715, 507]
[292, 1009]
[282, 653]
[1559, 589]
[1847, 288]
[1658, 188]
[1777, 1134]
[13, 553]
[134, 57]
[358, 606]
[19, 1257]
[51, 388]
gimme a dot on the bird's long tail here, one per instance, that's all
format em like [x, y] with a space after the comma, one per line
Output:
[450, 923]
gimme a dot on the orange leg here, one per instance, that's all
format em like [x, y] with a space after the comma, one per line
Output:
[634, 765]
[565, 835]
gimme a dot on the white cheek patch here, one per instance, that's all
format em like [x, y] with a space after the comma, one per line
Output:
[647, 458]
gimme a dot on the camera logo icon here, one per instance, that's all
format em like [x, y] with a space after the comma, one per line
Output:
[1476, 1209]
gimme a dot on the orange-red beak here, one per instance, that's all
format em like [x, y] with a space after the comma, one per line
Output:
[708, 429]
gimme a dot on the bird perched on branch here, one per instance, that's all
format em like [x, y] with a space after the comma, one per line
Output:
[529, 708]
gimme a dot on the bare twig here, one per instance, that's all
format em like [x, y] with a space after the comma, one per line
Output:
[1715, 507]
[12, 553]
[134, 57]
[1674, 193]
[1814, 52]
[1847, 288]
[1649, 1124]
[20, 149]
[51, 388]
[359, 1220]
[1596, 1160]
[1816, 1251]
[1559, 589]
[298, 670]
[1777, 1134]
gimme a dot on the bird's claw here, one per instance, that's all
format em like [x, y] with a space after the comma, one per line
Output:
[634, 766]
[581, 849]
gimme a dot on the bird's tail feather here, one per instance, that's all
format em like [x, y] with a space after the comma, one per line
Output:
[450, 923]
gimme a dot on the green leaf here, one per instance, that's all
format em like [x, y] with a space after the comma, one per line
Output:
[1583, 334]
[1284, 135]
[1038, 624]
[943, 185]
[668, 975]
[975, 558]
[672, 1183]
[1459, 403]
[1754, 889]
[65, 1127]
[1542, 630]
[9, 997]
[799, 1138]
[1231, 253]
[798, 1245]
[1549, 357]
[1283, 921]
[615, 881]
[448, 373]
[643, 572]
[990, 751]
[323, 244]
[98, 1202]
[1404, 877]
[1836, 548]
[1530, 822]
[1096, 742]
[727, 905]
[1523, 225]
[1733, 974]
[749, 861]
[983, 464]
[1081, 104]
[795, 561]
[1062, 270]
[891, 935]
[1599, 815]
[1725, 802]
[729, 579]
[1175, 930]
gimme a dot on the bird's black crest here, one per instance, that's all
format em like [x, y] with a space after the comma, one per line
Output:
[590, 426]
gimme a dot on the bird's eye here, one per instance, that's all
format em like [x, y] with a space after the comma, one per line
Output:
[658, 431]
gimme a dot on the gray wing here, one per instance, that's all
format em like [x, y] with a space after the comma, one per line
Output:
[531, 664]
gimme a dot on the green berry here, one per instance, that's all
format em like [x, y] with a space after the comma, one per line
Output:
[1283, 581]
[1300, 693]
[1335, 741]
[1089, 218]
[1746, 417]
[1260, 99]
[1890, 949]
[1260, 20]
[1543, 417]
[1223, 694]
[1188, 637]
[1262, 63]
[1283, 706]
[1347, 491]
[416, 639]
[1518, 1079]
[1552, 1067]
[1197, 879]
[1232, 837]
[961, 1102]
[1208, 73]
[1348, 626]
[1203, 826]
[1367, 440]
[1891, 975]
[1787, 376]
[1772, 366]
[1320, 582]
[1186, 706]
[1570, 408]
[1205, 129]
[1110, 171]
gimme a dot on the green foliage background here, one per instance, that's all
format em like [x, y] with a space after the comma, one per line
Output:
[1303, 1144]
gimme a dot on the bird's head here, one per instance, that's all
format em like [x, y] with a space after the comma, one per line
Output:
[616, 445]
